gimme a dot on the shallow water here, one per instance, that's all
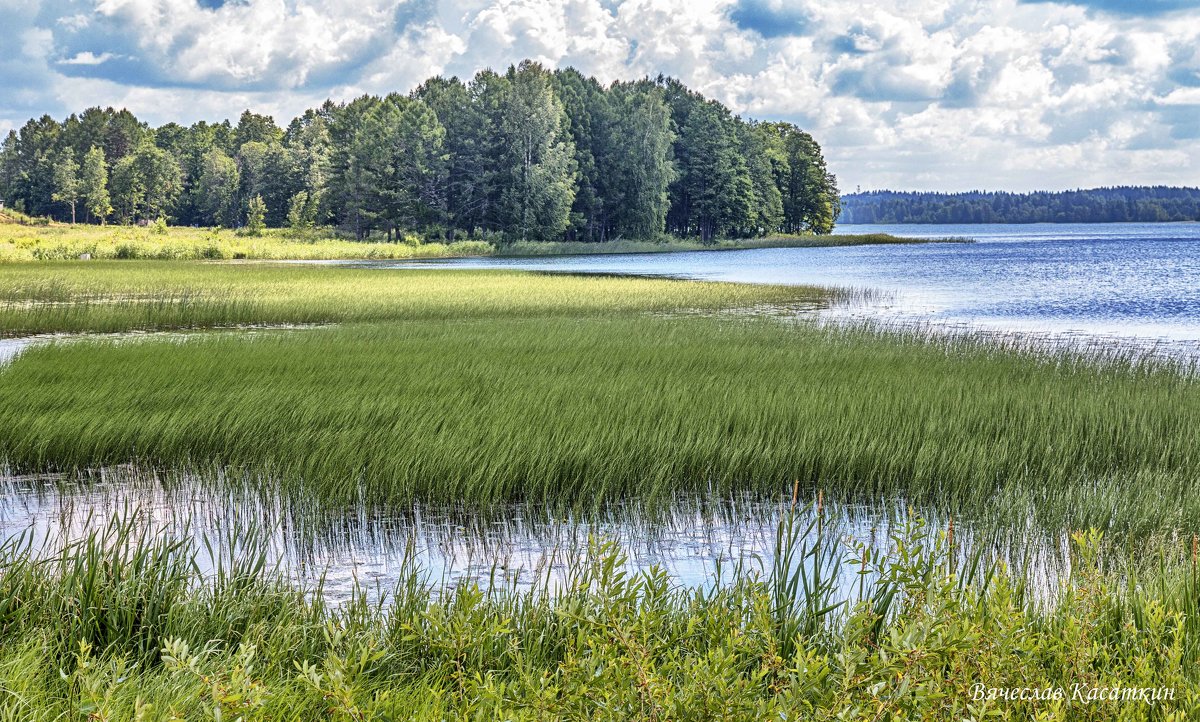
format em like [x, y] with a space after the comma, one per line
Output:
[1126, 281]
[11, 348]
[698, 544]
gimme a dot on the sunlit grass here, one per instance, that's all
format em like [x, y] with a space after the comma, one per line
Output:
[59, 242]
[32, 242]
[113, 296]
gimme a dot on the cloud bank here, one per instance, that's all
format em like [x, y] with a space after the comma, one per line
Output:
[911, 94]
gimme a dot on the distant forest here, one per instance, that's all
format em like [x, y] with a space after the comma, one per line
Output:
[1148, 204]
[525, 155]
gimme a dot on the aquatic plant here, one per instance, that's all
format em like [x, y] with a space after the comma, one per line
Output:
[119, 625]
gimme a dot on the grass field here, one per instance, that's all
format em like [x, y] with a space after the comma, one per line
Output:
[122, 296]
[24, 243]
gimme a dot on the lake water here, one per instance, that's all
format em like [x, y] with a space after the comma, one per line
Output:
[1126, 281]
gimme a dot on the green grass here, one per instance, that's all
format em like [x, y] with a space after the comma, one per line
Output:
[28, 241]
[478, 388]
[120, 296]
[562, 390]
[21, 243]
[120, 625]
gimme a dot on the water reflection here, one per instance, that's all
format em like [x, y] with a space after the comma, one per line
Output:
[698, 543]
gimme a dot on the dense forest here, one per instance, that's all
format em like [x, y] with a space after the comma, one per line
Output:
[1098, 205]
[527, 155]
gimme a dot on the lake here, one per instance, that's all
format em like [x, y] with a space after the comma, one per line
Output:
[1125, 281]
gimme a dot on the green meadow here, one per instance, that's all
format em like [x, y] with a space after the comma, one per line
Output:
[475, 389]
[25, 240]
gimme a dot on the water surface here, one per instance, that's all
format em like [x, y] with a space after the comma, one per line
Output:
[1126, 281]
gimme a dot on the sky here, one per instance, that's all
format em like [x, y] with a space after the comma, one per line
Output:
[903, 94]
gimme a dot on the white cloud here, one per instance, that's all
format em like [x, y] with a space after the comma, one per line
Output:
[87, 57]
[937, 94]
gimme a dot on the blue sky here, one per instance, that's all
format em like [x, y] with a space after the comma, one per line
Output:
[913, 94]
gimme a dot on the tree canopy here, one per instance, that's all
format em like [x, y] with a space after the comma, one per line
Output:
[528, 154]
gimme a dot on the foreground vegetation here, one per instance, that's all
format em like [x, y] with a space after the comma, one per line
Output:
[475, 388]
[573, 391]
[120, 625]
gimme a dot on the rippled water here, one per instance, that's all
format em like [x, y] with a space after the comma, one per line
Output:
[1122, 281]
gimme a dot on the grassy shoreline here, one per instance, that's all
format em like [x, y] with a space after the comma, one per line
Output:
[32, 243]
[474, 388]
[121, 625]
[742, 244]
[482, 387]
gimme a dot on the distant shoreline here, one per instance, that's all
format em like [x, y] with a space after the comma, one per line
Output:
[525, 250]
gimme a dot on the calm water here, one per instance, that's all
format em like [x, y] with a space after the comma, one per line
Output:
[1125, 281]
[697, 544]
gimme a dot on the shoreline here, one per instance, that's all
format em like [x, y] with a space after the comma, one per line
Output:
[33, 244]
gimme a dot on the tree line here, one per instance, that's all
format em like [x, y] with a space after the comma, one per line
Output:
[530, 154]
[1142, 204]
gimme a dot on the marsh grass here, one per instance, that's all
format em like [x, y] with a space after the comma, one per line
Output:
[112, 297]
[576, 412]
[32, 241]
[121, 625]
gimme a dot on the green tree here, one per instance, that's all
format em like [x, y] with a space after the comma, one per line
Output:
[302, 212]
[809, 191]
[540, 184]
[66, 181]
[145, 184]
[713, 194]
[256, 211]
[216, 190]
[638, 167]
[93, 182]
[589, 122]
[255, 128]
[308, 141]
[469, 181]
[765, 157]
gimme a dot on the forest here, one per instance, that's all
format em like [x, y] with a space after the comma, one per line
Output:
[1128, 204]
[528, 155]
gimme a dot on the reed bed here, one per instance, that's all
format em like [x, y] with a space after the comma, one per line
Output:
[579, 411]
[114, 297]
[120, 624]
